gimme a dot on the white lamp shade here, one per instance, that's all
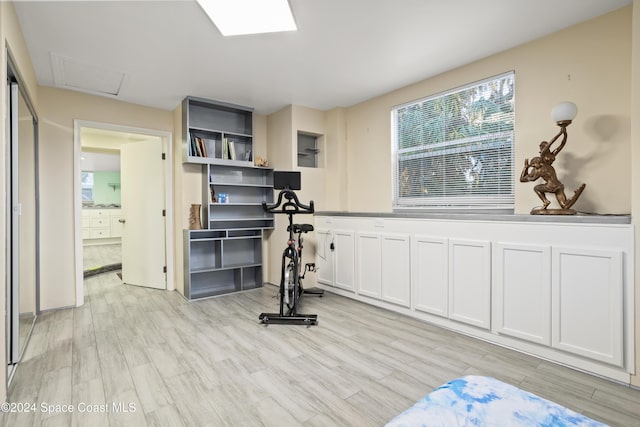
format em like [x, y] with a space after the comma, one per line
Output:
[564, 111]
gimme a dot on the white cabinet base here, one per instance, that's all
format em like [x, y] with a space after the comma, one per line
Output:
[560, 291]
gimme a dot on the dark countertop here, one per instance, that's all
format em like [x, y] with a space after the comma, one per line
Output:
[567, 219]
[103, 207]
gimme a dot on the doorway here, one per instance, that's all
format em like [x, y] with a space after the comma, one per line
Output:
[107, 192]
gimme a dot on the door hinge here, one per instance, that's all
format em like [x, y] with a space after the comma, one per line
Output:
[164, 212]
[164, 269]
[164, 156]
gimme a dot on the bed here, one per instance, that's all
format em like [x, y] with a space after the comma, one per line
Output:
[484, 401]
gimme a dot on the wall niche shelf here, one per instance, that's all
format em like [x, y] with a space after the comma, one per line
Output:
[226, 256]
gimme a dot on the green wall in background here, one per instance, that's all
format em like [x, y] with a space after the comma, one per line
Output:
[103, 194]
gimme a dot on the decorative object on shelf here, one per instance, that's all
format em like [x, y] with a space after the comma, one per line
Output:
[223, 198]
[195, 223]
[541, 166]
[262, 162]
[213, 193]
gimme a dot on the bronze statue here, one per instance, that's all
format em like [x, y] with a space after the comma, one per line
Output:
[541, 167]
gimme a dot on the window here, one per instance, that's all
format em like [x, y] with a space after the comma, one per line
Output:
[87, 186]
[455, 149]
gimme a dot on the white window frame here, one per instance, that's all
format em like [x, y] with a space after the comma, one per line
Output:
[493, 203]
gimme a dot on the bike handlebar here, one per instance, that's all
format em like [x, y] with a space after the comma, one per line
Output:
[292, 205]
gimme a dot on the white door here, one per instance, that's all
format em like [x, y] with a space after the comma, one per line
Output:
[143, 220]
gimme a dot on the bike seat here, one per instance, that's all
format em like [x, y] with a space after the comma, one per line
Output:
[301, 228]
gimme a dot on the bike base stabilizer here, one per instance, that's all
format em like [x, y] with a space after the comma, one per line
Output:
[293, 319]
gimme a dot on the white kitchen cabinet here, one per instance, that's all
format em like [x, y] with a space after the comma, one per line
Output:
[396, 269]
[324, 257]
[470, 282]
[522, 291]
[101, 223]
[335, 258]
[344, 261]
[430, 275]
[368, 261]
[587, 303]
[115, 225]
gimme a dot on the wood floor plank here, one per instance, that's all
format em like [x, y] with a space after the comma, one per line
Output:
[151, 390]
[90, 404]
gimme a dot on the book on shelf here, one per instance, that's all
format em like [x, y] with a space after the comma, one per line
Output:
[197, 146]
[203, 147]
[192, 145]
[232, 150]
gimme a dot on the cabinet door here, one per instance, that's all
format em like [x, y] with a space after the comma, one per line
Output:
[324, 257]
[116, 225]
[368, 261]
[470, 282]
[587, 303]
[396, 266]
[522, 299]
[344, 260]
[430, 260]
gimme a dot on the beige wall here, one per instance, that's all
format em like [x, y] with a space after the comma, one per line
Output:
[58, 110]
[336, 176]
[596, 56]
[282, 130]
[635, 169]
[280, 157]
[187, 190]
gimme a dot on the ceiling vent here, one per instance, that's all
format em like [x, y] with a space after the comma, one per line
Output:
[75, 75]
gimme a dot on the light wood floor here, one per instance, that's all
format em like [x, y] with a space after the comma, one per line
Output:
[210, 363]
[94, 256]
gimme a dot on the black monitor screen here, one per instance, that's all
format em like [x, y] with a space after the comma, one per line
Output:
[286, 180]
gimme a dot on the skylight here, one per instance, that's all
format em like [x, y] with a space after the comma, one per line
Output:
[240, 17]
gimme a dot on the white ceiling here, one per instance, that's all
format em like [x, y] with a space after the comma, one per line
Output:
[93, 162]
[346, 51]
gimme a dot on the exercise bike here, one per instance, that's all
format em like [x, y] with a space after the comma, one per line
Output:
[292, 272]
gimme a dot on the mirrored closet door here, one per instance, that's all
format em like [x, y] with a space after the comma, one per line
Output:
[22, 218]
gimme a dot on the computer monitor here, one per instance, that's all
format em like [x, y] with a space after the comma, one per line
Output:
[286, 180]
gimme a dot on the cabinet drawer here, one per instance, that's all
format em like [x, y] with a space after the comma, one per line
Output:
[99, 213]
[86, 221]
[99, 233]
[99, 222]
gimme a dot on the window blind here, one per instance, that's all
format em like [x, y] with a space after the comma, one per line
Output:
[455, 149]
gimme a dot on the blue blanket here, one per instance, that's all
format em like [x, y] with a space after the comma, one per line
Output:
[486, 402]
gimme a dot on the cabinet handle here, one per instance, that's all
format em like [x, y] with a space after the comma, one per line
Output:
[121, 221]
